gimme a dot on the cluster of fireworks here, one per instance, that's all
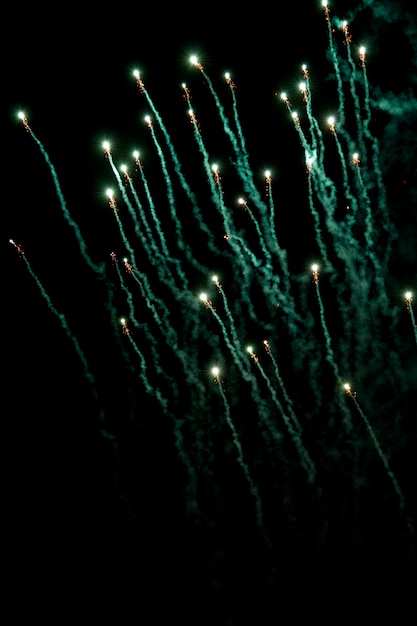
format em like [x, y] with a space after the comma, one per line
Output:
[278, 344]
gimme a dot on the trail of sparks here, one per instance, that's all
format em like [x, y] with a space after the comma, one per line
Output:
[377, 445]
[351, 232]
[240, 458]
[408, 301]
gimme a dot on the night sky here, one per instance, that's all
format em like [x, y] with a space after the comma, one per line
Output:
[137, 478]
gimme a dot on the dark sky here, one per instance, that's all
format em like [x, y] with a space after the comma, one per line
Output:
[131, 476]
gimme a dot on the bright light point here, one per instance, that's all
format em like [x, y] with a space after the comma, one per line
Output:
[147, 118]
[123, 321]
[331, 120]
[123, 168]
[215, 279]
[203, 297]
[284, 96]
[193, 59]
[347, 387]
[136, 154]
[302, 86]
[267, 173]
[249, 349]
[136, 73]
[214, 167]
[314, 267]
[324, 3]
[241, 201]
[304, 67]
[344, 24]
[362, 50]
[106, 145]
[109, 193]
[215, 371]
[227, 75]
[294, 115]
[408, 295]
[21, 115]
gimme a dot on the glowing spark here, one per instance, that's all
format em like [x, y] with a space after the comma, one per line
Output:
[208, 303]
[295, 117]
[331, 122]
[139, 81]
[112, 200]
[18, 247]
[229, 80]
[315, 270]
[216, 172]
[304, 90]
[216, 374]
[194, 60]
[215, 280]
[24, 119]
[324, 4]
[128, 266]
[125, 328]
[253, 356]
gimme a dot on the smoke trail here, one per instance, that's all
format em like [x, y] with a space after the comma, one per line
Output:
[377, 445]
[305, 459]
[151, 389]
[61, 317]
[252, 486]
[99, 269]
[330, 358]
[408, 300]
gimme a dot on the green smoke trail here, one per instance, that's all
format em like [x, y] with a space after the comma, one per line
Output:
[262, 406]
[216, 193]
[156, 259]
[330, 358]
[382, 197]
[177, 166]
[335, 61]
[154, 391]
[155, 218]
[408, 298]
[305, 459]
[381, 294]
[172, 205]
[98, 269]
[287, 398]
[352, 83]
[252, 486]
[61, 317]
[149, 240]
[378, 448]
[234, 349]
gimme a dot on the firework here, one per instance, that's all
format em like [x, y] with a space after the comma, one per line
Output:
[208, 264]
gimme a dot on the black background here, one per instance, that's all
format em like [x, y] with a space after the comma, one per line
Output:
[99, 522]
